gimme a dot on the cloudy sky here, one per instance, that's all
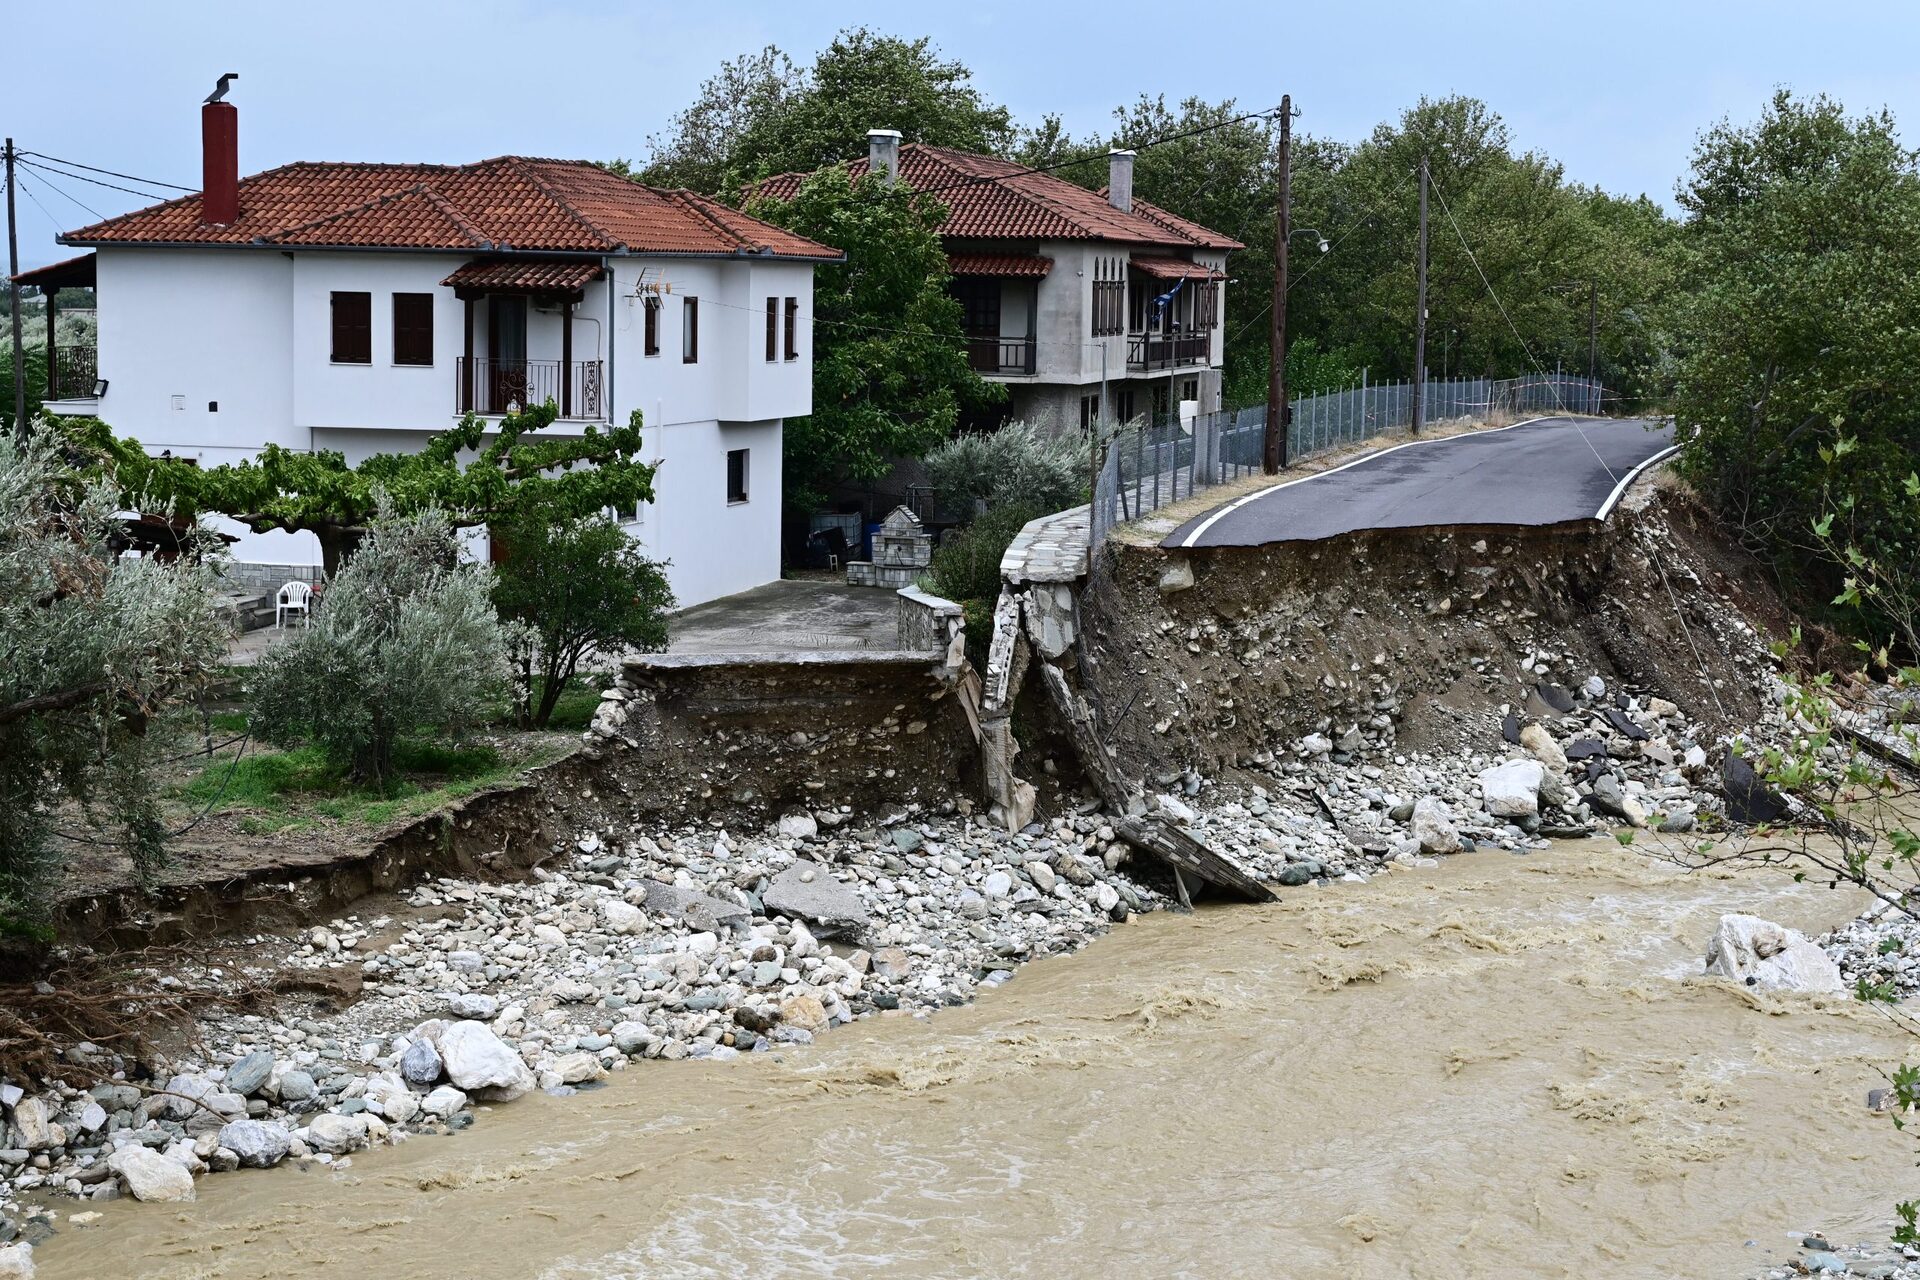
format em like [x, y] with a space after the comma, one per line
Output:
[1616, 92]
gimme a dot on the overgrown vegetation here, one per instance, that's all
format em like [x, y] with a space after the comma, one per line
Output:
[406, 640]
[94, 649]
[575, 588]
[1017, 465]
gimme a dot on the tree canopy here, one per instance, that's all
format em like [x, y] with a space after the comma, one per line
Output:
[890, 370]
[762, 114]
[511, 477]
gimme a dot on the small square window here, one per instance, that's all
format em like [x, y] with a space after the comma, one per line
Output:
[736, 475]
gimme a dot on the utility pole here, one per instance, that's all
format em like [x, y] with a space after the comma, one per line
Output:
[1420, 315]
[13, 298]
[1593, 344]
[1274, 454]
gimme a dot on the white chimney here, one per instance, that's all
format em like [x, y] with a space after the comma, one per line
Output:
[1120, 180]
[883, 153]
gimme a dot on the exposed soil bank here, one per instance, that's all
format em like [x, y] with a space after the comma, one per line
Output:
[1418, 637]
[1498, 1067]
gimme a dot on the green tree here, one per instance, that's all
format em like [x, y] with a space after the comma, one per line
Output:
[761, 115]
[1798, 327]
[510, 479]
[890, 371]
[576, 587]
[94, 647]
[405, 639]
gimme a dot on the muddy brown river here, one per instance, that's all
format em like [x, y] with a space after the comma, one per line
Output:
[1502, 1067]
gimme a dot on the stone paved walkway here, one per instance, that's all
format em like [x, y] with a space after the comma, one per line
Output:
[1050, 549]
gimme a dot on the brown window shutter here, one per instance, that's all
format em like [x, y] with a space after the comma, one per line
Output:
[773, 329]
[793, 328]
[653, 326]
[352, 328]
[413, 328]
[690, 330]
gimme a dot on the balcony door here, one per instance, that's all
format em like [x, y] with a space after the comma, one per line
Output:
[980, 320]
[506, 380]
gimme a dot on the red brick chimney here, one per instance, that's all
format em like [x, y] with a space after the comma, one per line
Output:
[219, 163]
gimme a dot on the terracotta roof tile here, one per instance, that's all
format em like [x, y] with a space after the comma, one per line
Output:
[1173, 268]
[998, 264]
[509, 203]
[533, 275]
[988, 198]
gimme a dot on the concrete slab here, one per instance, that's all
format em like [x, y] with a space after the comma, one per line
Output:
[799, 616]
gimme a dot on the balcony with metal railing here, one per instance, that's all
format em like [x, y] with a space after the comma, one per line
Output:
[992, 354]
[489, 386]
[1149, 351]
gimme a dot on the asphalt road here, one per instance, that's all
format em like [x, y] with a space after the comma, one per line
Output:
[1539, 473]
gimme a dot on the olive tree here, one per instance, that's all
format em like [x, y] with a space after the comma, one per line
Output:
[405, 639]
[94, 647]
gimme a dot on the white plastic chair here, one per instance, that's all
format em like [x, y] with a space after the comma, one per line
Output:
[295, 597]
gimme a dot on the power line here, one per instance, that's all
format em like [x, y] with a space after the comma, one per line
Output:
[147, 182]
[28, 192]
[64, 194]
[81, 177]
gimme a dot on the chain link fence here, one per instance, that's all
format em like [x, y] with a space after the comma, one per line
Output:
[1147, 466]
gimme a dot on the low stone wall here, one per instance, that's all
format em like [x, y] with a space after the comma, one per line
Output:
[748, 737]
[241, 578]
[928, 623]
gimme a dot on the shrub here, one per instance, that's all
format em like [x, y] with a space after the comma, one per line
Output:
[404, 639]
[967, 565]
[94, 647]
[1018, 465]
[576, 587]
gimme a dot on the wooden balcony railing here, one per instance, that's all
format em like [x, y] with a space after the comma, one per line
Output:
[496, 386]
[1167, 350]
[71, 372]
[991, 354]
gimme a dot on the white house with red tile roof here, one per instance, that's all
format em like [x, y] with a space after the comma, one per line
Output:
[1065, 288]
[361, 307]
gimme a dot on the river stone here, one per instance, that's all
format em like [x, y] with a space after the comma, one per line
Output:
[1542, 746]
[181, 1097]
[481, 1063]
[35, 1123]
[807, 891]
[16, 1261]
[1748, 800]
[297, 1086]
[578, 1068]
[697, 909]
[473, 1004]
[804, 1013]
[798, 825]
[632, 1037]
[1512, 790]
[336, 1134]
[998, 884]
[259, 1146]
[443, 1102]
[247, 1076]
[151, 1176]
[395, 1100]
[421, 1064]
[1433, 827]
[622, 917]
[1760, 953]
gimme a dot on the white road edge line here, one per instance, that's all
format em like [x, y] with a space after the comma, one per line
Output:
[1620, 489]
[1193, 538]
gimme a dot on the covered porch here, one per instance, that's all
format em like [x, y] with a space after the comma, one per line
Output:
[519, 345]
[1175, 309]
[73, 383]
[999, 296]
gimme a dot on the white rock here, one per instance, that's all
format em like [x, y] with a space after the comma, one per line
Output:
[578, 1068]
[390, 1093]
[258, 1145]
[480, 1062]
[16, 1260]
[1433, 827]
[1512, 790]
[798, 826]
[1542, 747]
[443, 1102]
[998, 884]
[150, 1175]
[35, 1123]
[622, 917]
[1760, 953]
[336, 1134]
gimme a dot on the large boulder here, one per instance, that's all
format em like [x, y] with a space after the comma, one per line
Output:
[247, 1076]
[807, 891]
[1760, 953]
[1542, 746]
[33, 1120]
[336, 1134]
[1512, 790]
[421, 1064]
[1748, 798]
[150, 1175]
[482, 1064]
[16, 1261]
[1433, 827]
[259, 1145]
[695, 908]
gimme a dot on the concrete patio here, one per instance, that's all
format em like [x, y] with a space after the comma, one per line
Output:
[810, 615]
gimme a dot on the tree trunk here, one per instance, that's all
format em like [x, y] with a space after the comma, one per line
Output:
[336, 544]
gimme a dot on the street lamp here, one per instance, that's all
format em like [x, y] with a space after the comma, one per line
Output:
[1314, 232]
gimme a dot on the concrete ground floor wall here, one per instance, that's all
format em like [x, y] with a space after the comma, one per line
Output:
[1063, 406]
[713, 545]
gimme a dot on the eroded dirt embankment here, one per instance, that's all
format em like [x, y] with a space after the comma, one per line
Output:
[1420, 638]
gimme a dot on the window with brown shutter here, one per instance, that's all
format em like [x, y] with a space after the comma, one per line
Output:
[793, 328]
[690, 330]
[413, 328]
[773, 329]
[652, 307]
[352, 328]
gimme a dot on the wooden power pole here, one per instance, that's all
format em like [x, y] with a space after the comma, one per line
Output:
[13, 300]
[1274, 455]
[1420, 316]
